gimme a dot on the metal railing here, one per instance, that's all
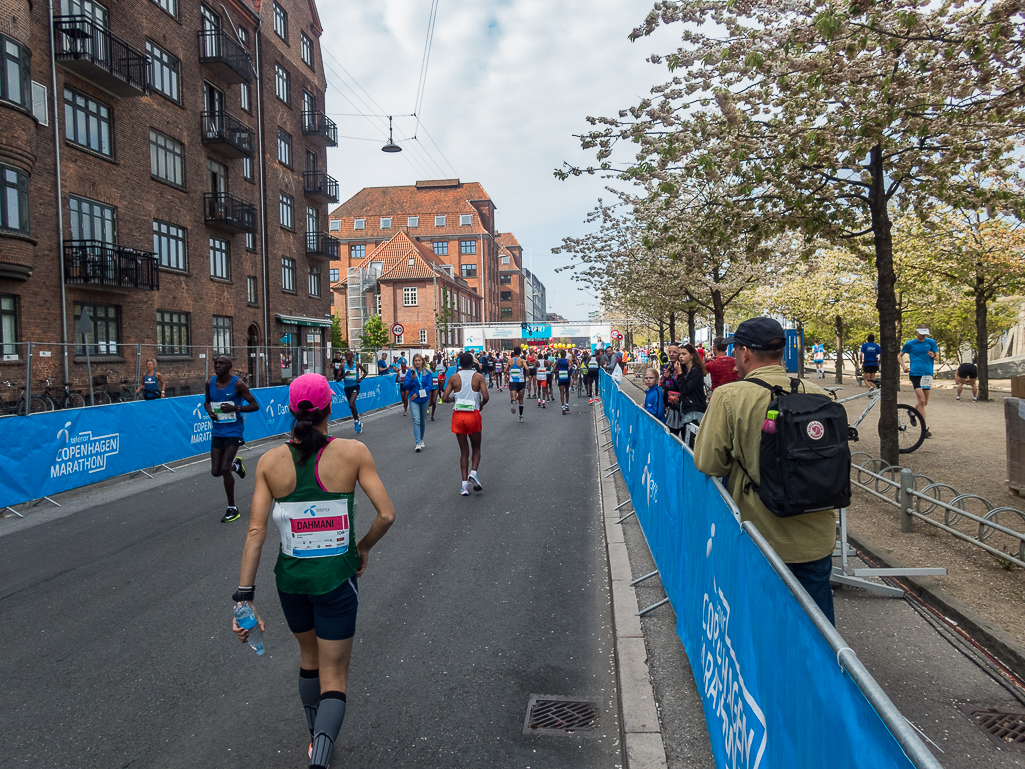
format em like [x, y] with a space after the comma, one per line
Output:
[223, 128]
[321, 244]
[318, 184]
[112, 62]
[108, 264]
[222, 209]
[320, 129]
[919, 497]
[226, 57]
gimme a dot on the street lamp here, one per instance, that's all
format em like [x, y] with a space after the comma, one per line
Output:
[391, 146]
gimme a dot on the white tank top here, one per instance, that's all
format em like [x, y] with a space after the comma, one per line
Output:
[467, 399]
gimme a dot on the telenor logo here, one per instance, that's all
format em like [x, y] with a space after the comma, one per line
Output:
[311, 510]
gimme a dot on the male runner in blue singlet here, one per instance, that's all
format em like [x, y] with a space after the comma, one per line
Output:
[224, 403]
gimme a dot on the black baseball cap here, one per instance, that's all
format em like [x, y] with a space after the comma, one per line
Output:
[758, 334]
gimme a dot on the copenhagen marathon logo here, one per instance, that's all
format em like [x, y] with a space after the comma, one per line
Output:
[84, 452]
[201, 425]
[648, 481]
[743, 730]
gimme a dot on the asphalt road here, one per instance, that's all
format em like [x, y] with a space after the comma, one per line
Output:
[115, 642]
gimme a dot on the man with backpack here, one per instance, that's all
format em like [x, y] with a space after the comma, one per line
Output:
[782, 443]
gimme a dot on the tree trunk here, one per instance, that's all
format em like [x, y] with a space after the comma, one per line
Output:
[800, 349]
[886, 303]
[691, 335]
[661, 335]
[718, 312]
[982, 338]
[672, 327]
[838, 323]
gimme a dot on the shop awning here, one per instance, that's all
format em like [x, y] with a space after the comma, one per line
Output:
[298, 320]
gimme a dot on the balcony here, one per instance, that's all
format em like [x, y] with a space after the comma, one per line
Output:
[319, 186]
[96, 263]
[92, 52]
[320, 245]
[224, 57]
[229, 213]
[227, 133]
[320, 129]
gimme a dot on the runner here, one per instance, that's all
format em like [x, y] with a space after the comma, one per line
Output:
[353, 373]
[317, 570]
[336, 366]
[967, 372]
[517, 385]
[499, 370]
[541, 374]
[224, 397]
[818, 353]
[468, 391]
[440, 373]
[400, 376]
[870, 352]
[419, 383]
[531, 374]
[593, 366]
[564, 369]
[152, 386]
[550, 368]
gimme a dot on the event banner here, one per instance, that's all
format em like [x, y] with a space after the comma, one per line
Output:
[774, 696]
[49, 453]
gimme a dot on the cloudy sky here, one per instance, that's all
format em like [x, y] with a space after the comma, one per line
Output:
[509, 82]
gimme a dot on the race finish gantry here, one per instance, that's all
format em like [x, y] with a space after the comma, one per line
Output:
[505, 336]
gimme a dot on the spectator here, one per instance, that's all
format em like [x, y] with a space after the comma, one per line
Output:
[654, 402]
[685, 396]
[668, 361]
[967, 372]
[722, 367]
[922, 353]
[870, 360]
[730, 440]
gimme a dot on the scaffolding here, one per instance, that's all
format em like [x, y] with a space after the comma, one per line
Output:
[361, 293]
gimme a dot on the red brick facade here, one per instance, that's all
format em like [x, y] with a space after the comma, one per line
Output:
[111, 193]
[511, 300]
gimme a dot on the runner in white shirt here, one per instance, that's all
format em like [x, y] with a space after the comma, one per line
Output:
[542, 381]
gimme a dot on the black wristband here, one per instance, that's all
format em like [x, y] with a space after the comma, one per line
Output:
[244, 594]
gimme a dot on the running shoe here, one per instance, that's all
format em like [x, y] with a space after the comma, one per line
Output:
[928, 434]
[957, 398]
[975, 399]
[521, 418]
[477, 485]
[565, 409]
[432, 419]
[418, 447]
[231, 514]
[543, 405]
[358, 425]
[464, 490]
[590, 401]
[239, 468]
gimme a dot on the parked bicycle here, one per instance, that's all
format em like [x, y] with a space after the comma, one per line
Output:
[9, 409]
[910, 423]
[66, 399]
[107, 395]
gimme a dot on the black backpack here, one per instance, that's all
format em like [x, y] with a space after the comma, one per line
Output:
[806, 463]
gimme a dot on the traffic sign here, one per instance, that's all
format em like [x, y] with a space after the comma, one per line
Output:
[397, 329]
[617, 335]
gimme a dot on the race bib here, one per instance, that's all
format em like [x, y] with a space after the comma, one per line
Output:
[350, 375]
[542, 372]
[223, 416]
[926, 382]
[515, 375]
[465, 404]
[563, 374]
[313, 529]
[421, 393]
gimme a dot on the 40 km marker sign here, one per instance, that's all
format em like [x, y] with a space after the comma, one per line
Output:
[397, 329]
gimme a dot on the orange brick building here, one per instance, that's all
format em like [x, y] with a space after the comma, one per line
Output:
[511, 299]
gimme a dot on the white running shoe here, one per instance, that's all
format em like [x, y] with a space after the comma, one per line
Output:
[465, 489]
[418, 447]
[477, 485]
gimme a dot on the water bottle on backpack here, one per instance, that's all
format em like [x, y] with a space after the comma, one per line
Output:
[246, 619]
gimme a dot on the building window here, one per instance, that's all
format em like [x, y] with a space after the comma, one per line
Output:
[169, 245]
[288, 275]
[468, 270]
[247, 169]
[172, 333]
[505, 279]
[377, 303]
[91, 220]
[314, 281]
[243, 35]
[106, 332]
[439, 221]
[281, 83]
[333, 274]
[468, 246]
[409, 296]
[166, 158]
[250, 241]
[284, 147]
[423, 336]
[357, 252]
[220, 259]
[334, 225]
[244, 97]
[412, 221]
[281, 22]
[505, 296]
[8, 324]
[87, 122]
[307, 49]
[505, 260]
[165, 72]
[506, 312]
[15, 75]
[385, 222]
[285, 206]
[14, 200]
[222, 335]
[251, 290]
[171, 6]
[359, 224]
[465, 220]
[440, 247]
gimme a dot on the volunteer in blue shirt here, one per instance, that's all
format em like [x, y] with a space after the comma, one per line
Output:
[418, 384]
[382, 364]
[870, 360]
[921, 352]
[152, 386]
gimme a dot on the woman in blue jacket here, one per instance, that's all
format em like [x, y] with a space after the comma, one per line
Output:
[653, 401]
[418, 383]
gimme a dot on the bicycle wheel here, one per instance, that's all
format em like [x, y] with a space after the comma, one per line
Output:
[39, 405]
[910, 428]
[101, 398]
[73, 401]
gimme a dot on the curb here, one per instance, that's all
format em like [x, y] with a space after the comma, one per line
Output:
[644, 747]
[988, 634]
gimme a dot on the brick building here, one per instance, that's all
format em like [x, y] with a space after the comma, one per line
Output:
[511, 297]
[405, 282]
[164, 173]
[455, 219]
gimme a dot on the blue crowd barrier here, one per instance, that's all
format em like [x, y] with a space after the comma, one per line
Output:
[775, 695]
[44, 454]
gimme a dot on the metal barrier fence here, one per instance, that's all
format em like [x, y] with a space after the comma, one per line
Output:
[969, 517]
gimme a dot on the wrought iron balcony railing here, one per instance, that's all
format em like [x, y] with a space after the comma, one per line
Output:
[108, 264]
[320, 129]
[91, 51]
[224, 56]
[231, 136]
[322, 245]
[228, 212]
[320, 186]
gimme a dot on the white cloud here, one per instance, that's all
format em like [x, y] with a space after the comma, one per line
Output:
[508, 85]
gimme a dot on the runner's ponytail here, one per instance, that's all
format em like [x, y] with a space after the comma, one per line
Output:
[305, 437]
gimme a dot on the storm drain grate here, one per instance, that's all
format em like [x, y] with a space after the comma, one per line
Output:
[554, 714]
[1005, 729]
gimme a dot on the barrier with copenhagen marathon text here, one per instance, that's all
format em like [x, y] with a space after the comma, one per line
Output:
[44, 454]
[774, 695]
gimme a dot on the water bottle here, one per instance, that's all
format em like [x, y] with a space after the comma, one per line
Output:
[768, 426]
[246, 618]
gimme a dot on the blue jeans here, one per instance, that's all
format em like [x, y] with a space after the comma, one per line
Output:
[419, 412]
[814, 577]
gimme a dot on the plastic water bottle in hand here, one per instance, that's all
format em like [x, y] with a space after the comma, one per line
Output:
[246, 619]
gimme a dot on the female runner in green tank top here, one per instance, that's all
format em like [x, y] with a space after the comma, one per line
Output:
[308, 485]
